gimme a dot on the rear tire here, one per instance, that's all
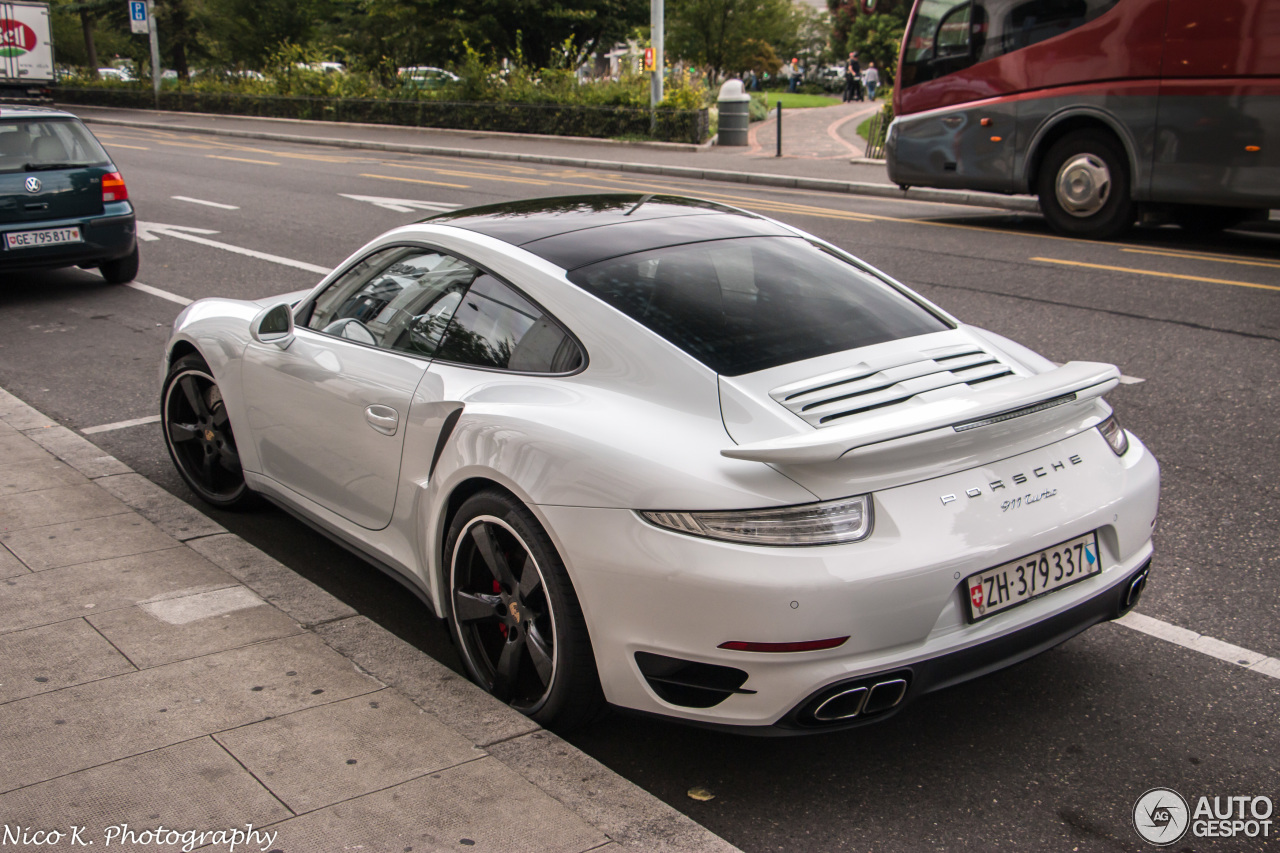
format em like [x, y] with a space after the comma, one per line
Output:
[1083, 186]
[514, 615]
[121, 270]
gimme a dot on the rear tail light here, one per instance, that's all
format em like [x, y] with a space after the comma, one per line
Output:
[113, 188]
[1114, 434]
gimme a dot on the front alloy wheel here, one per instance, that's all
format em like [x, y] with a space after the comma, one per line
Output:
[198, 434]
[514, 614]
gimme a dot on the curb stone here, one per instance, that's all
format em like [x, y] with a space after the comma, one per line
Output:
[628, 816]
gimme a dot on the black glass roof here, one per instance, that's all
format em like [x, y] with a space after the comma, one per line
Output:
[572, 231]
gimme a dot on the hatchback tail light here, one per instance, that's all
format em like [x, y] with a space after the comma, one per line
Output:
[113, 188]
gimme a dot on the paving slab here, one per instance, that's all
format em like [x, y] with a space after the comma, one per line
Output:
[46, 507]
[52, 657]
[81, 727]
[174, 516]
[77, 451]
[474, 807]
[174, 629]
[67, 544]
[18, 448]
[37, 474]
[11, 566]
[215, 792]
[628, 815]
[337, 752]
[42, 598]
[275, 582]
[429, 683]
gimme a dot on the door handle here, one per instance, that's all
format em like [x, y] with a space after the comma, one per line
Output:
[384, 419]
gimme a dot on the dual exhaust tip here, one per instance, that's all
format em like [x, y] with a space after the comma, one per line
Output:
[861, 700]
[1133, 592]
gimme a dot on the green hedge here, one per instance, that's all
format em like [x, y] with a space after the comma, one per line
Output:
[551, 119]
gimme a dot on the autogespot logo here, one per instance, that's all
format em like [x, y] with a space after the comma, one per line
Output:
[1161, 816]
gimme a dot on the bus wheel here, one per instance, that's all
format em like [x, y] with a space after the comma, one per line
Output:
[1084, 186]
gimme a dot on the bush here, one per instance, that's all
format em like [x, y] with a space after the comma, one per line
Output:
[601, 122]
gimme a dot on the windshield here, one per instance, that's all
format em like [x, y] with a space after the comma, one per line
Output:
[47, 143]
[751, 303]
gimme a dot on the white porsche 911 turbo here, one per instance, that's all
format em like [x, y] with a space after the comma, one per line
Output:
[675, 457]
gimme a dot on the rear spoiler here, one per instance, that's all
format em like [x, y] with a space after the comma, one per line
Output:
[1073, 382]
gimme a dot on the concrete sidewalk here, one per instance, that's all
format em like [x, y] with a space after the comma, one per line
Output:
[819, 150]
[161, 673]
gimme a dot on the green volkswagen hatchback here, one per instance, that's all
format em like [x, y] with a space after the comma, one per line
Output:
[62, 201]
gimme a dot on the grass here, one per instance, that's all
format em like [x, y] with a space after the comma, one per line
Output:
[800, 102]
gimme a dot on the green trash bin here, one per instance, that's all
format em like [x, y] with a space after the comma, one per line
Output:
[735, 113]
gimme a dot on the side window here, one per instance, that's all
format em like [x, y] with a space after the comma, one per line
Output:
[398, 299]
[493, 326]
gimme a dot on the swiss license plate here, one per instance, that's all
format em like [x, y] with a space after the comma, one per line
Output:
[996, 590]
[44, 237]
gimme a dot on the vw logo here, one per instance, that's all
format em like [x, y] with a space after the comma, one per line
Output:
[33, 185]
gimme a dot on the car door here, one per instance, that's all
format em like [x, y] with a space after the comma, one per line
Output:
[328, 413]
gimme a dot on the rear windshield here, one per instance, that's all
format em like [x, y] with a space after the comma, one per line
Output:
[751, 303]
[27, 144]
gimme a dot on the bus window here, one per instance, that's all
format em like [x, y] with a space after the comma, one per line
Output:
[950, 35]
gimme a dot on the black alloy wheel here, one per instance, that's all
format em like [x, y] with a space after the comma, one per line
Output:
[514, 614]
[198, 434]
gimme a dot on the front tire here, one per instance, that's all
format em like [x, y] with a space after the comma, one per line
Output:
[1083, 186]
[198, 433]
[514, 615]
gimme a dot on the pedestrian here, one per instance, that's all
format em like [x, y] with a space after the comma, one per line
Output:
[853, 79]
[871, 79]
[794, 72]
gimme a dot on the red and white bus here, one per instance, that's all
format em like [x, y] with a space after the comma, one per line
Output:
[1108, 110]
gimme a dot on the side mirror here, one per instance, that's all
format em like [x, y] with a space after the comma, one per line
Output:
[273, 325]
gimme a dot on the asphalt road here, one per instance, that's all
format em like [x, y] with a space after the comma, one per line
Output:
[1049, 755]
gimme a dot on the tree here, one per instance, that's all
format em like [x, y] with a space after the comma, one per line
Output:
[725, 35]
[88, 12]
[538, 29]
[845, 12]
[877, 39]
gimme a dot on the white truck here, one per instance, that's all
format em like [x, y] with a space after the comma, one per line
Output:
[26, 49]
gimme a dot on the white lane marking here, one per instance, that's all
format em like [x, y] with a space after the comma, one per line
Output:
[1201, 643]
[192, 608]
[149, 419]
[202, 201]
[163, 294]
[154, 230]
[401, 205]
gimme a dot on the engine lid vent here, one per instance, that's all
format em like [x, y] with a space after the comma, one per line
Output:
[829, 398]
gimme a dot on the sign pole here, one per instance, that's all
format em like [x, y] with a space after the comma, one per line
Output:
[656, 38]
[155, 50]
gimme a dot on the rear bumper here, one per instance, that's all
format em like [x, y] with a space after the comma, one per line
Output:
[107, 237]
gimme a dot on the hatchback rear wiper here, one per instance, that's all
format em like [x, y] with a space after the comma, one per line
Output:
[46, 167]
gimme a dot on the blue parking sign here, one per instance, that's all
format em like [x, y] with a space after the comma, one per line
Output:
[138, 22]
